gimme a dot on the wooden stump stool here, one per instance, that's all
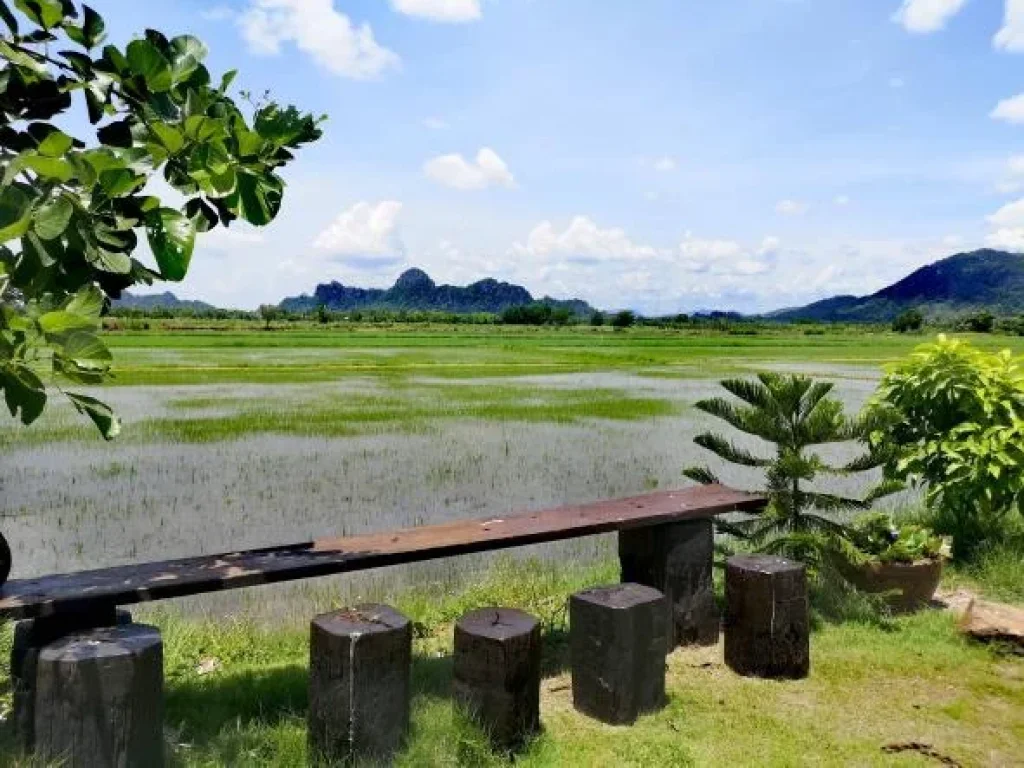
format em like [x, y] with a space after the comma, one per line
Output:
[677, 560]
[359, 668]
[497, 672]
[767, 629]
[99, 699]
[32, 635]
[618, 640]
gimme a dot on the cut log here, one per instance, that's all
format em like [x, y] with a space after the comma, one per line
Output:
[677, 560]
[359, 669]
[618, 639]
[497, 672]
[30, 636]
[99, 699]
[767, 628]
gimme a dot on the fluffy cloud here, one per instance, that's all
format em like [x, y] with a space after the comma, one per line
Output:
[1008, 227]
[1011, 36]
[316, 28]
[455, 171]
[363, 229]
[1011, 110]
[841, 200]
[791, 207]
[1013, 175]
[452, 11]
[583, 240]
[924, 16]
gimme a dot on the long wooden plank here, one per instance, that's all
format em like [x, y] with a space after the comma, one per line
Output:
[90, 590]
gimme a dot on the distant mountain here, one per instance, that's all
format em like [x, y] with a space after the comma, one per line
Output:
[415, 290]
[166, 300]
[985, 279]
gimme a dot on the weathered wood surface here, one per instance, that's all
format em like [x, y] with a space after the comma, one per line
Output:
[99, 699]
[496, 672]
[360, 663]
[93, 590]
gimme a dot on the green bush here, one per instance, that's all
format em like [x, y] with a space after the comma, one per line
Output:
[952, 420]
[624, 319]
[911, 320]
[979, 322]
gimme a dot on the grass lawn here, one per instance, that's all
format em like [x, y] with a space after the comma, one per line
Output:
[875, 682]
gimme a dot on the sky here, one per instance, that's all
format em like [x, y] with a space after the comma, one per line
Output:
[661, 155]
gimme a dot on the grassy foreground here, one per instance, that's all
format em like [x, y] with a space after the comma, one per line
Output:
[875, 682]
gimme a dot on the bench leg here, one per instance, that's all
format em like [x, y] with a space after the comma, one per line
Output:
[30, 636]
[677, 560]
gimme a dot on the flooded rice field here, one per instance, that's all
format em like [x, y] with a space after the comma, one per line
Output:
[350, 456]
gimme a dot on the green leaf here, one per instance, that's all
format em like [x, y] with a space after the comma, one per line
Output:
[55, 144]
[227, 79]
[24, 392]
[172, 237]
[55, 168]
[82, 352]
[93, 27]
[256, 199]
[168, 136]
[186, 54]
[119, 182]
[88, 302]
[15, 213]
[100, 414]
[45, 13]
[52, 218]
[8, 17]
[61, 321]
[105, 260]
[146, 61]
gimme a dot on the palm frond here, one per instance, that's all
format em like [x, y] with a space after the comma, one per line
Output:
[749, 392]
[830, 502]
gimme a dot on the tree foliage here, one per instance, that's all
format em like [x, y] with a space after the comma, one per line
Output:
[73, 211]
[910, 320]
[793, 414]
[953, 416]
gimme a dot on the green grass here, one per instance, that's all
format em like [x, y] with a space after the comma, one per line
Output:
[872, 683]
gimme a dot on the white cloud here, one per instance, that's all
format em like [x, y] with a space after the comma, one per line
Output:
[896, 82]
[1011, 110]
[1008, 227]
[365, 228]
[455, 171]
[791, 207]
[583, 238]
[217, 13]
[841, 200]
[238, 234]
[1011, 36]
[451, 11]
[665, 164]
[316, 28]
[770, 245]
[435, 123]
[924, 16]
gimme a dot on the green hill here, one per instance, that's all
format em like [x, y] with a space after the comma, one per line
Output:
[985, 279]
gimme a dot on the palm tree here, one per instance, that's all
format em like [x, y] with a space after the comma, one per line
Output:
[794, 413]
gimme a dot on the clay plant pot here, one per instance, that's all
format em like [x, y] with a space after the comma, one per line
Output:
[907, 586]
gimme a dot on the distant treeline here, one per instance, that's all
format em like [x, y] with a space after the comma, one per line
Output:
[542, 314]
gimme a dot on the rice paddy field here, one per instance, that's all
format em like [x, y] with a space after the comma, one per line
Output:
[238, 437]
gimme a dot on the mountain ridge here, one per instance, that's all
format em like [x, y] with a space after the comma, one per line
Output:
[985, 279]
[415, 290]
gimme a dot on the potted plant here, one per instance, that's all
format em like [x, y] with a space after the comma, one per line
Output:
[902, 561]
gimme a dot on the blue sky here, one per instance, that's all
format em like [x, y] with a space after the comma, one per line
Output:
[665, 155]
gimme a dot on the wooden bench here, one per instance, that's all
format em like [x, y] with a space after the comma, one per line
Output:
[102, 590]
[72, 626]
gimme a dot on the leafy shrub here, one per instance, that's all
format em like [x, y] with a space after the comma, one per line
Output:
[878, 537]
[911, 320]
[624, 319]
[952, 420]
[979, 322]
[597, 319]
[793, 413]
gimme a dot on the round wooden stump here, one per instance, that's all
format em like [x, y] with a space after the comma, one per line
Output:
[99, 699]
[618, 639]
[30, 636]
[497, 672]
[767, 629]
[359, 667]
